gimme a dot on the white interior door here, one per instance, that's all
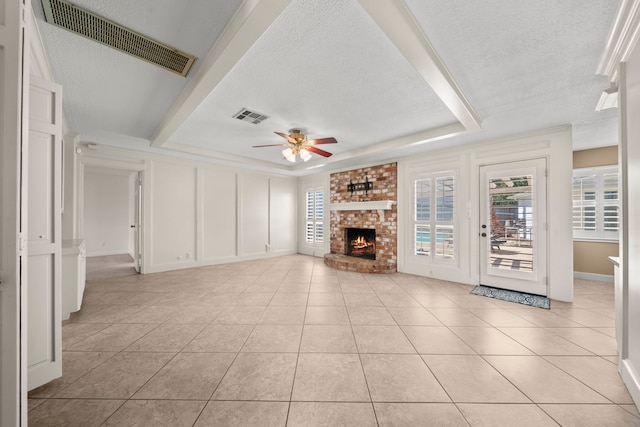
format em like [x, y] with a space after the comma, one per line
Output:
[137, 257]
[14, 53]
[44, 249]
[513, 223]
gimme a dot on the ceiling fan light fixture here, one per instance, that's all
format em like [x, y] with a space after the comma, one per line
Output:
[297, 143]
[289, 155]
[305, 155]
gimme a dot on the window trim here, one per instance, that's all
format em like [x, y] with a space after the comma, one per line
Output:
[315, 220]
[433, 222]
[598, 235]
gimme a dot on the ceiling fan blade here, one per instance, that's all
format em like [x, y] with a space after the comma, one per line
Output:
[271, 145]
[319, 151]
[287, 137]
[322, 141]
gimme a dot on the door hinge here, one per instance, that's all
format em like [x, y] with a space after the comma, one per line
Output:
[546, 173]
[22, 244]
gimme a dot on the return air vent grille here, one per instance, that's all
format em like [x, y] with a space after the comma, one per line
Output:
[97, 28]
[250, 116]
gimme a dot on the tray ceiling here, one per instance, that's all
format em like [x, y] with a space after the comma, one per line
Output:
[386, 79]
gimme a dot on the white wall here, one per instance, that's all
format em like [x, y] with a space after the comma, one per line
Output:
[219, 202]
[555, 146]
[630, 241]
[69, 189]
[253, 214]
[465, 270]
[201, 214]
[283, 214]
[106, 212]
[197, 213]
[173, 213]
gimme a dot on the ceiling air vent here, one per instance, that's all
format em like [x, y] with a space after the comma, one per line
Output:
[250, 116]
[97, 28]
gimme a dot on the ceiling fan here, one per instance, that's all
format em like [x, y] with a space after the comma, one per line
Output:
[299, 144]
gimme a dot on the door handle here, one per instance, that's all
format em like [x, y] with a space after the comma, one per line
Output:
[484, 226]
[133, 226]
[484, 234]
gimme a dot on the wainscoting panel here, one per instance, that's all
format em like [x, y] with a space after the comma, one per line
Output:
[218, 214]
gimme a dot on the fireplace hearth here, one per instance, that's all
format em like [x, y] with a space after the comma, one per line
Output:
[360, 242]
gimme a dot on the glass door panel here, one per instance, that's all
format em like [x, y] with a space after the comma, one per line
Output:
[513, 219]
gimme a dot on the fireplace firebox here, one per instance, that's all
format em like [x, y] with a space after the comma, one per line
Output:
[360, 242]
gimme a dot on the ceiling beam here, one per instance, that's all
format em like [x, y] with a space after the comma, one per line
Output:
[392, 146]
[398, 23]
[231, 158]
[251, 20]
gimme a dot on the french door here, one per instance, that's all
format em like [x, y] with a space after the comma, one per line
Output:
[513, 223]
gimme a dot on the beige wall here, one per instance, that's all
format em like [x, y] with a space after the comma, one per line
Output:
[595, 157]
[591, 257]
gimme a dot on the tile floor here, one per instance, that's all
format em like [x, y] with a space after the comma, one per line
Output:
[102, 267]
[289, 341]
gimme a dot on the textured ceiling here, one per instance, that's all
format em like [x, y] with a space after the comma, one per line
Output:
[324, 67]
[109, 93]
[526, 65]
[331, 69]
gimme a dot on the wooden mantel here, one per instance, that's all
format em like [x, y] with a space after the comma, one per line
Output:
[379, 205]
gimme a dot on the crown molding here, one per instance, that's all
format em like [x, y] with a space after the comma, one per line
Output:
[623, 36]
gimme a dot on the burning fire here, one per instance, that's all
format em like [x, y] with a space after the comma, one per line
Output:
[360, 243]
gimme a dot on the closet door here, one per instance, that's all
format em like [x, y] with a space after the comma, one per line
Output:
[13, 51]
[44, 185]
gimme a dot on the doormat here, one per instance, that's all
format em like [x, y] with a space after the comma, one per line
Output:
[512, 296]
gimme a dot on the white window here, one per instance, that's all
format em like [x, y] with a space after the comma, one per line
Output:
[434, 217]
[596, 203]
[315, 216]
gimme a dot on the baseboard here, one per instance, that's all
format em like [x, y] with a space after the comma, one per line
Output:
[313, 251]
[107, 253]
[161, 268]
[631, 379]
[593, 276]
[316, 253]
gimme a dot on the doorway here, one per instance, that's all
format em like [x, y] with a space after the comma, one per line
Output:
[112, 218]
[513, 222]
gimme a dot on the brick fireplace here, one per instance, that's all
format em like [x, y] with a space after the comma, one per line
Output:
[372, 209]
